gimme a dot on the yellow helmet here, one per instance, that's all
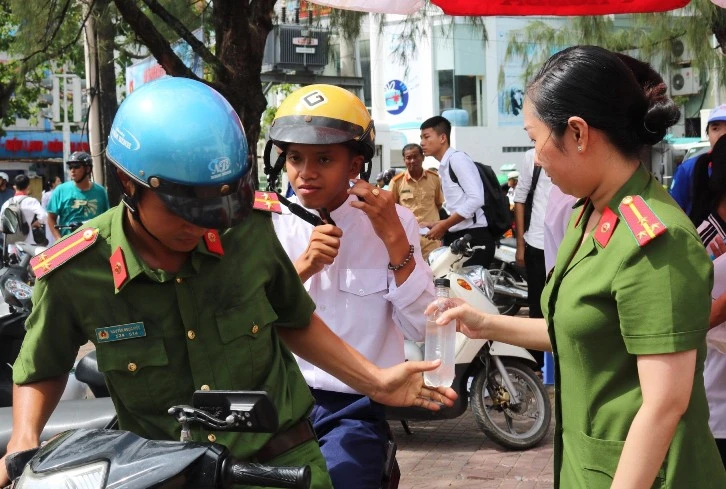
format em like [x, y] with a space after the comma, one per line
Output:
[324, 114]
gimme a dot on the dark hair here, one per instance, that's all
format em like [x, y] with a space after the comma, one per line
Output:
[21, 182]
[619, 95]
[411, 146]
[440, 125]
[708, 190]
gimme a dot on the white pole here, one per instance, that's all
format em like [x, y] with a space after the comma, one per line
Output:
[66, 123]
[94, 118]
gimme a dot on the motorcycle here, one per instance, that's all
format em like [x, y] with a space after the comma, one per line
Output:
[95, 458]
[509, 401]
[510, 283]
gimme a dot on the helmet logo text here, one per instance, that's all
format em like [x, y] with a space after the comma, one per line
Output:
[314, 98]
[125, 139]
[220, 167]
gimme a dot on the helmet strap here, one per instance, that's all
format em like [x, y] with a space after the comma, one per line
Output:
[273, 172]
[131, 202]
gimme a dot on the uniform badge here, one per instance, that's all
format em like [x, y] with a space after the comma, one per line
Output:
[120, 332]
[606, 227]
[118, 268]
[213, 242]
[267, 201]
[641, 220]
[62, 251]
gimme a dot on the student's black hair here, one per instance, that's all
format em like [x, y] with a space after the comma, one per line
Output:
[411, 146]
[21, 182]
[617, 94]
[440, 125]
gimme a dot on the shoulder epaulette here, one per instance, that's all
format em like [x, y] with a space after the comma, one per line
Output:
[267, 201]
[398, 176]
[63, 251]
[641, 220]
[433, 172]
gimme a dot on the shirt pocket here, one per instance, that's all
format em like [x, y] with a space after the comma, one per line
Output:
[599, 459]
[134, 370]
[363, 282]
[246, 334]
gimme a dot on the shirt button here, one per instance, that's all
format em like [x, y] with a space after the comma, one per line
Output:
[255, 329]
[205, 387]
[191, 334]
[212, 438]
[179, 280]
[361, 291]
[132, 367]
[322, 308]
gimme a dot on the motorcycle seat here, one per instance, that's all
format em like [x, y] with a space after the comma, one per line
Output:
[509, 242]
[69, 415]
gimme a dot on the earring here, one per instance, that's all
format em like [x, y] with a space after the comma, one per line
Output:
[579, 149]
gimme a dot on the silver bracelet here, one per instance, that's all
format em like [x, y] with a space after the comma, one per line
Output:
[404, 262]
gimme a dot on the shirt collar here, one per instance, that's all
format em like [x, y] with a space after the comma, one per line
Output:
[635, 185]
[132, 262]
[408, 176]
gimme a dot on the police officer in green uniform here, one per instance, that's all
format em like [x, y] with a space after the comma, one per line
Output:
[173, 305]
[627, 304]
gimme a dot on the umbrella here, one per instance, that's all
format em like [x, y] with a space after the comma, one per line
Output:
[556, 7]
[512, 7]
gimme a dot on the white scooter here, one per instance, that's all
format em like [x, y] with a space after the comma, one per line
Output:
[508, 399]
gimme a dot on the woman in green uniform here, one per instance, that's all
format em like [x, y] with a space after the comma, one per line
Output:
[626, 306]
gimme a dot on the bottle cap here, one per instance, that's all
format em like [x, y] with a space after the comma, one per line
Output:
[442, 282]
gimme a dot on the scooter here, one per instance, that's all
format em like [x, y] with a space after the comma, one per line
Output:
[510, 283]
[510, 403]
[102, 458]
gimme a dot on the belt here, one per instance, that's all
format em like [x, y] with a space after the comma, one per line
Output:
[283, 441]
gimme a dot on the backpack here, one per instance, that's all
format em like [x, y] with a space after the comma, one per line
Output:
[496, 204]
[13, 222]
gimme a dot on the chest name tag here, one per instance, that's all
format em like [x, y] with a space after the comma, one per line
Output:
[120, 332]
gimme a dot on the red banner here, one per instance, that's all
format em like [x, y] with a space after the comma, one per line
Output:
[555, 7]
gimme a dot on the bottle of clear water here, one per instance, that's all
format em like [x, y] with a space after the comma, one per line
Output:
[440, 342]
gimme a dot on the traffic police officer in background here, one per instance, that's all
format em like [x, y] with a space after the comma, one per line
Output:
[420, 191]
[200, 309]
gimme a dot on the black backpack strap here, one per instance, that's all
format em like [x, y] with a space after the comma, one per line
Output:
[530, 196]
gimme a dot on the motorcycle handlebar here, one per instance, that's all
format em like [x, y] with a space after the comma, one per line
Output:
[459, 246]
[236, 472]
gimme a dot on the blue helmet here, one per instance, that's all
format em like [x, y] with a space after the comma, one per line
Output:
[182, 140]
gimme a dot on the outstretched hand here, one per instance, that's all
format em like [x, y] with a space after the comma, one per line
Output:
[403, 385]
[469, 321]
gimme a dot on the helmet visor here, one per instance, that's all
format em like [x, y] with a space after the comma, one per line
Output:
[205, 207]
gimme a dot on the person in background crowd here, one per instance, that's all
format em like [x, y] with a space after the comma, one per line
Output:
[627, 305]
[557, 217]
[687, 175]
[6, 190]
[33, 213]
[420, 191]
[464, 200]
[530, 202]
[510, 187]
[76, 201]
[362, 267]
[48, 188]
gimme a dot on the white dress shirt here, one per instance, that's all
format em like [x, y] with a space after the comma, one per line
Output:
[357, 296]
[31, 208]
[466, 198]
[557, 217]
[534, 236]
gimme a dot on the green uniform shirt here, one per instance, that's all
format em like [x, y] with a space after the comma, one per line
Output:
[211, 325]
[605, 305]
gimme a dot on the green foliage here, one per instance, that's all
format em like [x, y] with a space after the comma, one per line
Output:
[269, 114]
[646, 36]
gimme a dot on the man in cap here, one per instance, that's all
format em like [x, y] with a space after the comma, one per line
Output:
[682, 185]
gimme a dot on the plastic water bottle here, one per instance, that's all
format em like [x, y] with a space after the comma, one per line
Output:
[440, 342]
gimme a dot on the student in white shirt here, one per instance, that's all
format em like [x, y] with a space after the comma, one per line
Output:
[363, 267]
[33, 212]
[464, 200]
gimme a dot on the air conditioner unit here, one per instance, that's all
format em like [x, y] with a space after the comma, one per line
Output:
[680, 52]
[685, 81]
[295, 47]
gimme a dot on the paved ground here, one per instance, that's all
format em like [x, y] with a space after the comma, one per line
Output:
[455, 453]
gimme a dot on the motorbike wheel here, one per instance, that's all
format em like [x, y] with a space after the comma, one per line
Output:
[515, 427]
[507, 305]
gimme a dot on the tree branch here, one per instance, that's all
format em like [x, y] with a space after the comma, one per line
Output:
[185, 34]
[158, 46]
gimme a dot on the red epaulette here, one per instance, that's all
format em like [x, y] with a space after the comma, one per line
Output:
[606, 227]
[267, 201]
[641, 219]
[62, 251]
